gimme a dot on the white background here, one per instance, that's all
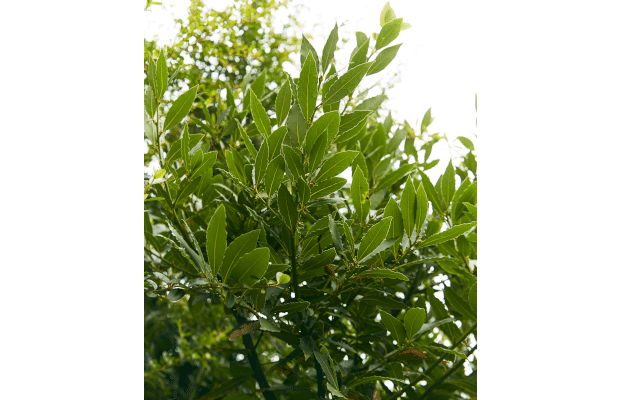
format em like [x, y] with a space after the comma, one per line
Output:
[547, 78]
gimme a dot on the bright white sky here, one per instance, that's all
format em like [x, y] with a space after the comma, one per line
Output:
[437, 68]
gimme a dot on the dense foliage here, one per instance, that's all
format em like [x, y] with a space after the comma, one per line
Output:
[278, 277]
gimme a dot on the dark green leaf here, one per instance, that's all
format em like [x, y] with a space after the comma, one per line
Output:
[260, 115]
[275, 141]
[414, 319]
[180, 108]
[336, 164]
[237, 249]
[150, 105]
[296, 125]
[251, 267]
[260, 166]
[293, 161]
[397, 227]
[317, 153]
[421, 208]
[330, 48]
[333, 229]
[373, 238]
[451, 233]
[407, 207]
[175, 295]
[162, 75]
[327, 187]
[274, 175]
[396, 328]
[290, 307]
[283, 103]
[216, 239]
[288, 208]
[307, 91]
[383, 273]
[359, 194]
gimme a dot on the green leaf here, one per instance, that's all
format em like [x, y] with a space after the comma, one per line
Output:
[307, 48]
[303, 191]
[333, 229]
[451, 233]
[448, 184]
[288, 208]
[258, 86]
[266, 325]
[275, 141]
[466, 142]
[175, 150]
[369, 379]
[396, 328]
[383, 273]
[296, 125]
[394, 176]
[473, 210]
[444, 350]
[427, 327]
[407, 207]
[352, 120]
[327, 187]
[185, 147]
[207, 162]
[162, 75]
[473, 296]
[387, 14]
[426, 121]
[373, 239]
[359, 194]
[237, 249]
[293, 161]
[246, 139]
[328, 123]
[274, 175]
[319, 260]
[175, 295]
[283, 103]
[468, 196]
[414, 319]
[336, 164]
[421, 208]
[346, 84]
[388, 33]
[329, 48]
[150, 105]
[458, 304]
[180, 108]
[290, 307]
[397, 227]
[282, 279]
[216, 239]
[308, 89]
[456, 201]
[318, 151]
[251, 267]
[359, 55]
[431, 193]
[233, 167]
[196, 257]
[327, 366]
[152, 75]
[263, 124]
[262, 159]
[372, 103]
[384, 59]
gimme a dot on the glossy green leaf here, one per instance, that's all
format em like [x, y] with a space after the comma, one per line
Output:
[275, 141]
[388, 33]
[394, 176]
[373, 238]
[414, 319]
[359, 55]
[396, 328]
[421, 208]
[458, 304]
[180, 108]
[319, 260]
[283, 103]
[307, 48]
[330, 48]
[473, 210]
[431, 193]
[216, 239]
[293, 161]
[359, 194]
[346, 84]
[288, 208]
[387, 14]
[335, 165]
[473, 297]
[336, 239]
[327, 366]
[448, 184]
[408, 209]
[237, 249]
[296, 124]
[317, 153]
[246, 139]
[303, 191]
[150, 105]
[451, 233]
[383, 273]
[327, 187]
[307, 90]
[175, 150]
[162, 75]
[384, 59]
[274, 175]
[262, 160]
[260, 115]
[175, 295]
[251, 267]
[397, 227]
[326, 123]
[352, 120]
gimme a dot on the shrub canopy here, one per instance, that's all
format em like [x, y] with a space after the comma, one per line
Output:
[270, 275]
